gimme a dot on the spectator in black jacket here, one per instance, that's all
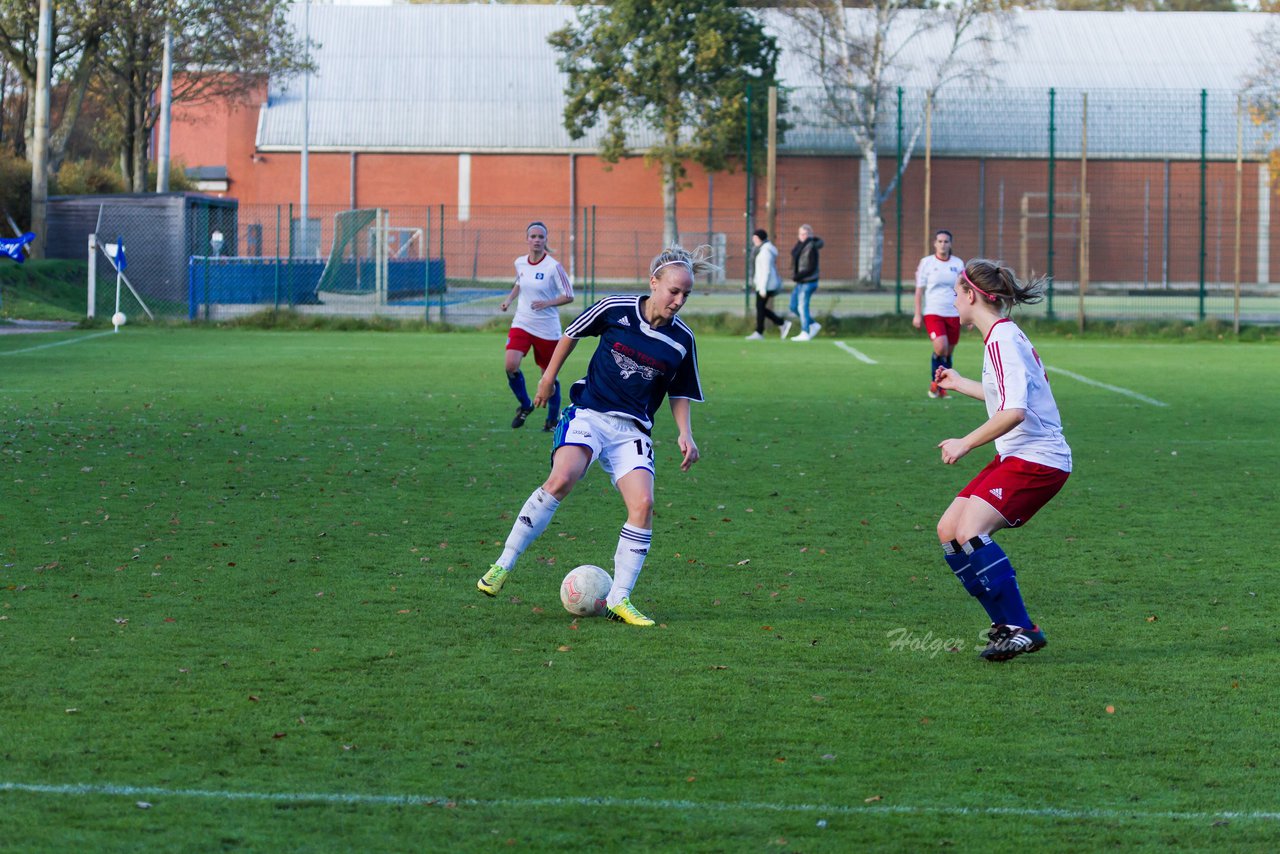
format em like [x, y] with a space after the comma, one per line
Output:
[804, 266]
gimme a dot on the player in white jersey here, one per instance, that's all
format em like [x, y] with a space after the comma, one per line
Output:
[645, 353]
[935, 304]
[541, 287]
[1032, 459]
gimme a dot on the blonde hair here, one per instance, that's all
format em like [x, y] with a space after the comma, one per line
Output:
[698, 261]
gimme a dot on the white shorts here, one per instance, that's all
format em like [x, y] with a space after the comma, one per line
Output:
[617, 443]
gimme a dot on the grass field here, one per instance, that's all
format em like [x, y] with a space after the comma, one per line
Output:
[237, 607]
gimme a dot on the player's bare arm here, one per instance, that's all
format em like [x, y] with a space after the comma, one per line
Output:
[547, 385]
[511, 297]
[681, 411]
[951, 380]
[990, 430]
[539, 304]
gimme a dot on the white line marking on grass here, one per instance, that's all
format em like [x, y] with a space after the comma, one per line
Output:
[856, 353]
[88, 789]
[55, 344]
[1117, 389]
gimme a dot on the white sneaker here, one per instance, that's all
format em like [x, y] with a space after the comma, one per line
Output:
[803, 336]
[786, 329]
[755, 336]
[814, 329]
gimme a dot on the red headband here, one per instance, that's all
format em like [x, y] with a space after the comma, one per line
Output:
[965, 275]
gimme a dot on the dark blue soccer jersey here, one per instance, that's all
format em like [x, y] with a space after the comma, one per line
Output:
[635, 365]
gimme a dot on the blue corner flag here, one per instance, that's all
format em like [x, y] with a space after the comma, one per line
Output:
[13, 246]
[119, 259]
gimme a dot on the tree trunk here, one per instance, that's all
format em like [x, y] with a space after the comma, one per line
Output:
[75, 100]
[670, 228]
[872, 238]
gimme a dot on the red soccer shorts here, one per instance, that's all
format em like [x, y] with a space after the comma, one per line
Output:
[1015, 488]
[938, 326]
[520, 341]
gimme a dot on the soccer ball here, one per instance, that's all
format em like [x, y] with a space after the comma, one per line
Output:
[118, 319]
[584, 589]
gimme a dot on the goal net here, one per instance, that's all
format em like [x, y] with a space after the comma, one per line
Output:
[357, 263]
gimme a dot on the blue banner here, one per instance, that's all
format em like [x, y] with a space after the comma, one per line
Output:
[13, 246]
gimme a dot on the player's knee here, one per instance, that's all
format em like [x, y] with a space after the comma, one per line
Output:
[640, 506]
[946, 530]
[559, 485]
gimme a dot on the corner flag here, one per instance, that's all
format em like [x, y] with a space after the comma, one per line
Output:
[119, 259]
[14, 246]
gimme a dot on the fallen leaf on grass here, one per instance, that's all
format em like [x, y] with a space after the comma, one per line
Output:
[279, 735]
[1111, 710]
[564, 648]
[744, 562]
[873, 799]
[143, 805]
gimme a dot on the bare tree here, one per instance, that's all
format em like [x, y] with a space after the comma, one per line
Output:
[78, 31]
[221, 50]
[1262, 88]
[859, 56]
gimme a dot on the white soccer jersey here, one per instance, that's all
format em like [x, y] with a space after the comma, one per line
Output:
[545, 280]
[938, 278]
[1014, 378]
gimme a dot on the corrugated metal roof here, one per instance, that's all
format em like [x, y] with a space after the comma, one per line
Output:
[483, 78]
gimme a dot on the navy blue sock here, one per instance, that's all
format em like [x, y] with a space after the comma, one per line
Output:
[553, 405]
[993, 569]
[958, 560]
[946, 362]
[934, 364]
[515, 379]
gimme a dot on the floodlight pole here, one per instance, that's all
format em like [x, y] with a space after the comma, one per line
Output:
[40, 133]
[306, 125]
[166, 112]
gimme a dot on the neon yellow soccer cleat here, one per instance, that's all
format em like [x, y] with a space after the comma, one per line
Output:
[625, 612]
[491, 582]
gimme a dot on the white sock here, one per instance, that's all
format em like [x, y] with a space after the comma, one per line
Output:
[628, 560]
[531, 521]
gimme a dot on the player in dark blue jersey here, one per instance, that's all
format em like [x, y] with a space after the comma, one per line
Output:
[645, 353]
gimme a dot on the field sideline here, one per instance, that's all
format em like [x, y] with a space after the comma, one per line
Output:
[238, 608]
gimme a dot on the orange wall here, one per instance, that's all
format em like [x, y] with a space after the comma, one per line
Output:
[982, 203]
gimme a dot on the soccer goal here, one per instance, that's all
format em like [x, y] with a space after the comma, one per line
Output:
[372, 261]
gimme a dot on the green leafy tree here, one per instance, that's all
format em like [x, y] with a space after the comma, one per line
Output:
[679, 67]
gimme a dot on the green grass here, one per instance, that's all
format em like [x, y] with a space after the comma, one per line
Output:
[237, 584]
[43, 290]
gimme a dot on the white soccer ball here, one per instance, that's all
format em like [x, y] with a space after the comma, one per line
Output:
[584, 589]
[118, 319]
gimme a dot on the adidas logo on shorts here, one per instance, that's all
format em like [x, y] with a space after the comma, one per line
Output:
[997, 492]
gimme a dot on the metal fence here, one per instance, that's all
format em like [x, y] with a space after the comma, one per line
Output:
[1136, 204]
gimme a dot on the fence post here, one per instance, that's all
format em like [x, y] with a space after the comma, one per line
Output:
[1204, 136]
[747, 214]
[1053, 132]
[1083, 212]
[443, 265]
[93, 275]
[276, 265]
[897, 237]
[593, 253]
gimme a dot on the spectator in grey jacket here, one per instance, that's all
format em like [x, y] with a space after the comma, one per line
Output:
[767, 283]
[804, 265]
